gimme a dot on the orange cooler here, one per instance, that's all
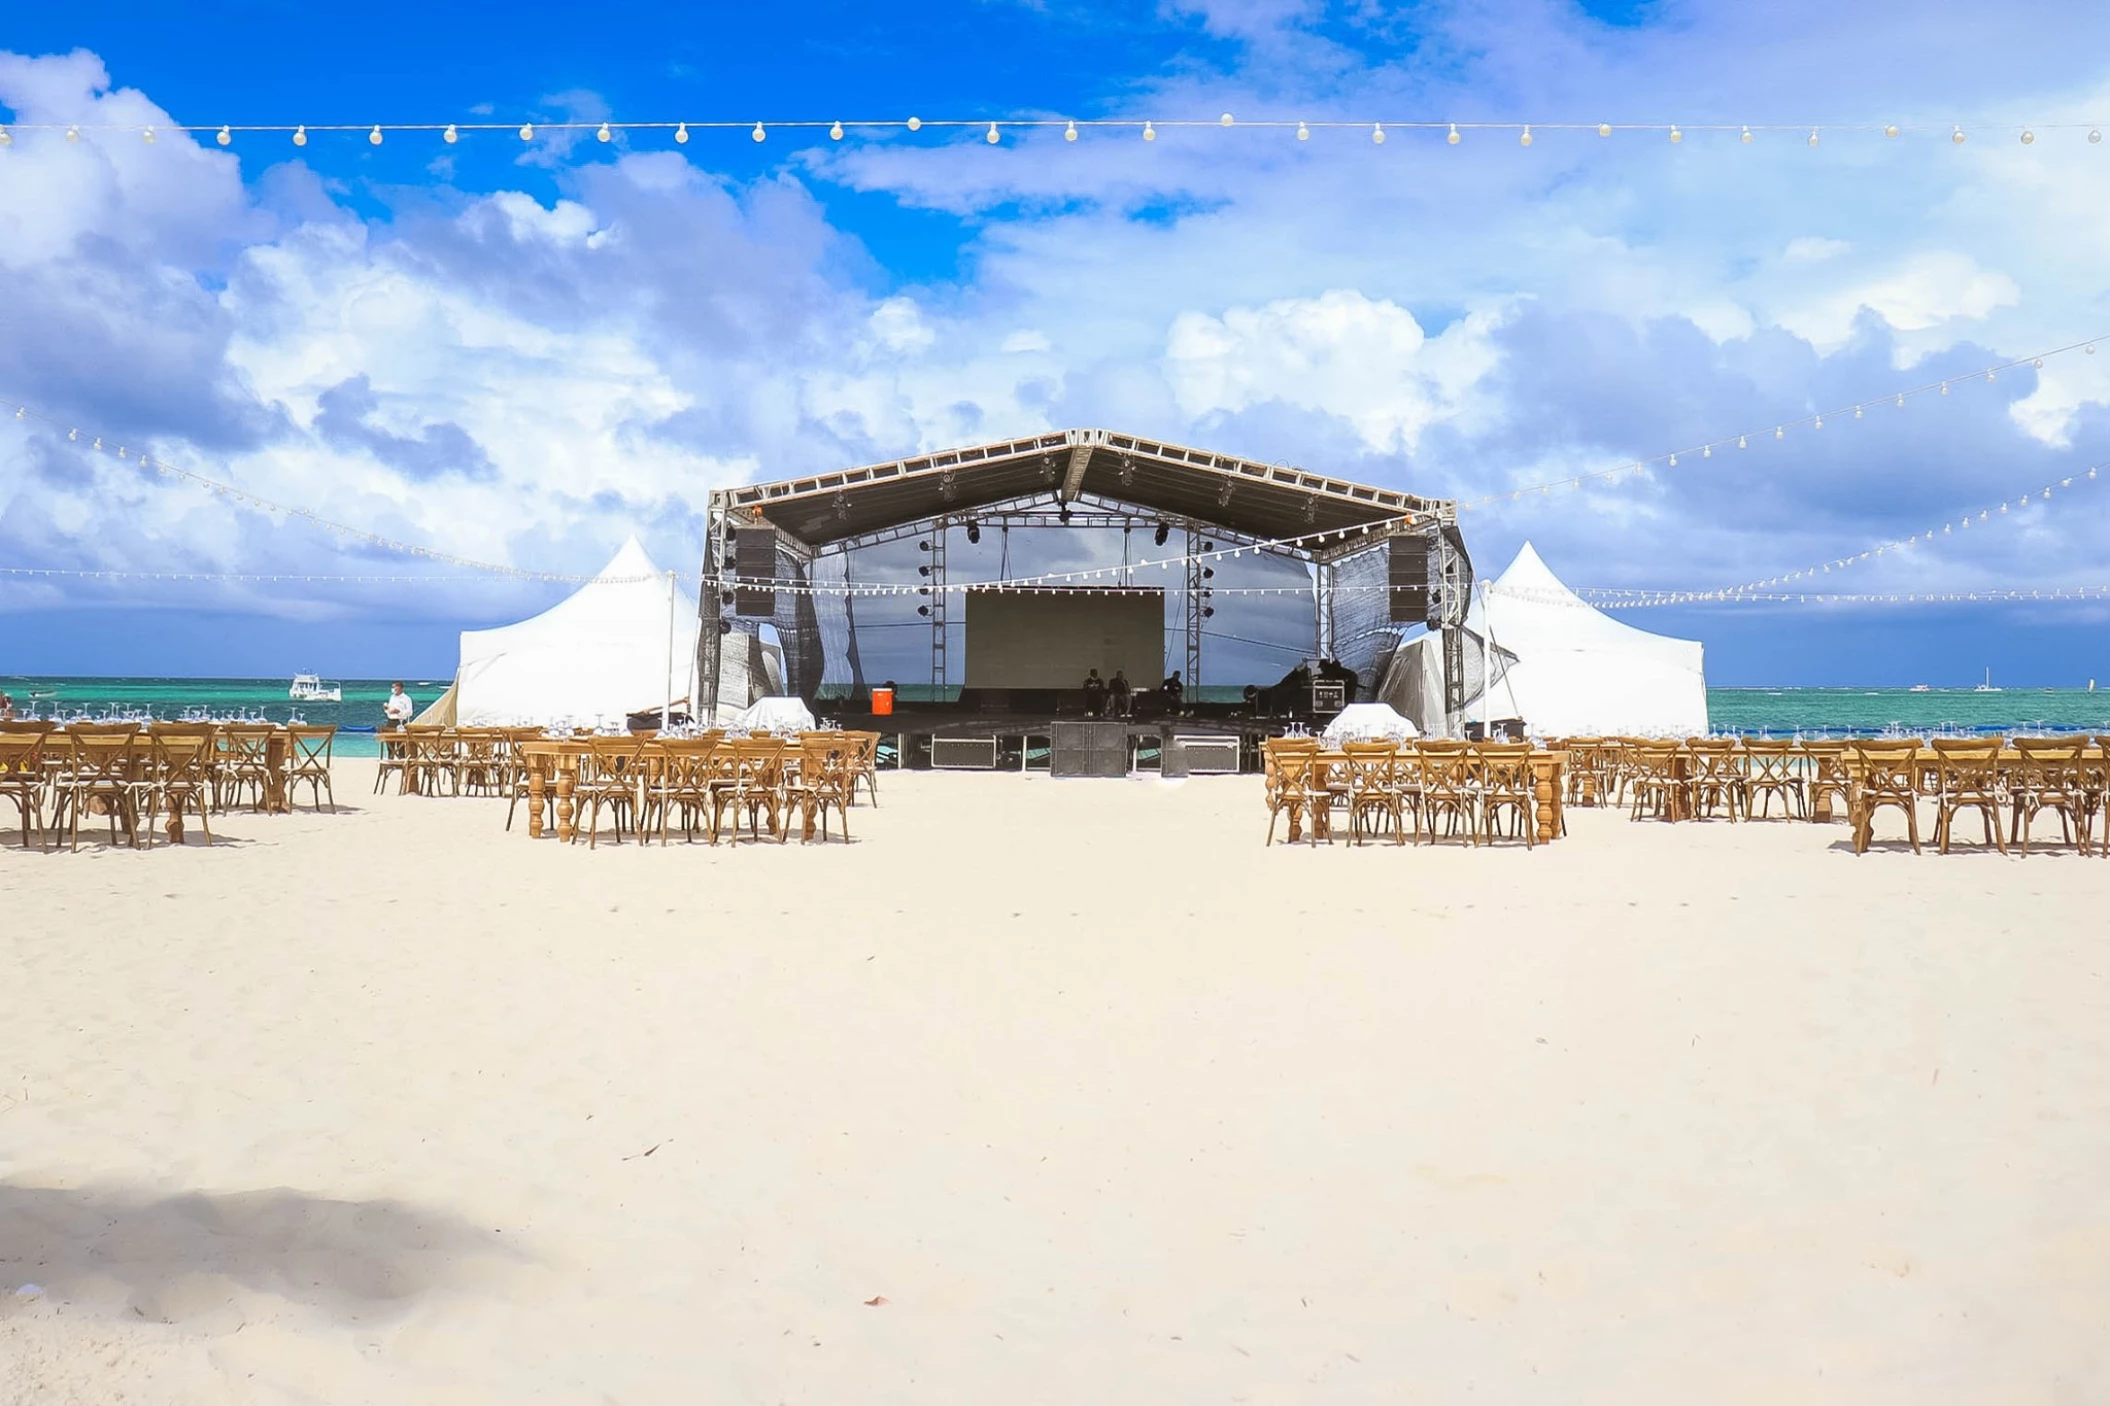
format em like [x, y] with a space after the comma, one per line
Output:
[882, 702]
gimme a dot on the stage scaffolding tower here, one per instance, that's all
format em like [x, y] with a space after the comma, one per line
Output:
[935, 588]
[1195, 606]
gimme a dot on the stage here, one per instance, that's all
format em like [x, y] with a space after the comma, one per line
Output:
[944, 737]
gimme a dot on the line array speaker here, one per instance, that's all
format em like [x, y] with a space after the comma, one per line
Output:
[1410, 595]
[755, 560]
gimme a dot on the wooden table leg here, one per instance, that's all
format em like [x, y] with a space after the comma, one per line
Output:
[538, 790]
[566, 780]
[1545, 785]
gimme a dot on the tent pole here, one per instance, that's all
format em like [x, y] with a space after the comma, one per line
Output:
[666, 713]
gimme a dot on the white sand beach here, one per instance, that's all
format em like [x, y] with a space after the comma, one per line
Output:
[1051, 1092]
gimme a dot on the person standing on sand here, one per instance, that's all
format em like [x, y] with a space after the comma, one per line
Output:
[400, 708]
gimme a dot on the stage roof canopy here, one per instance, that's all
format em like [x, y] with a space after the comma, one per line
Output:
[1265, 502]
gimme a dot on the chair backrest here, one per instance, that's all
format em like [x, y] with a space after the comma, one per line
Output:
[182, 756]
[1371, 765]
[312, 745]
[21, 756]
[1888, 765]
[1504, 766]
[104, 753]
[1445, 763]
[2049, 763]
[27, 725]
[244, 744]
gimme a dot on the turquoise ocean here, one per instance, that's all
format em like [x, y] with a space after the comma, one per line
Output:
[1777, 712]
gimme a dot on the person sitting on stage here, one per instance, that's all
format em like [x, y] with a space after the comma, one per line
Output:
[1120, 692]
[1175, 692]
[1094, 694]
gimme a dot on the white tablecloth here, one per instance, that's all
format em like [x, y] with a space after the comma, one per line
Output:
[1368, 722]
[779, 715]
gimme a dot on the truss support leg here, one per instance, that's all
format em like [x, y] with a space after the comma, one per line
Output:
[1193, 675]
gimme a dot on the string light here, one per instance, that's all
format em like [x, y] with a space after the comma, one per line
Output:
[915, 124]
[450, 136]
[1453, 137]
[1303, 132]
[1676, 136]
[2028, 136]
[527, 131]
[993, 138]
[1069, 132]
[1377, 133]
[1813, 136]
[300, 136]
[1524, 137]
[681, 133]
[224, 137]
[1150, 133]
[604, 134]
[374, 137]
[1956, 136]
[1746, 137]
[1604, 129]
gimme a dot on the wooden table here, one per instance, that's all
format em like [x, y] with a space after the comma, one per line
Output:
[552, 766]
[1547, 780]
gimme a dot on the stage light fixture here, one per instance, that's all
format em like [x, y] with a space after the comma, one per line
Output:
[923, 571]
[1208, 611]
[923, 610]
[1208, 573]
[923, 546]
[1161, 534]
[1208, 546]
[725, 627]
[974, 533]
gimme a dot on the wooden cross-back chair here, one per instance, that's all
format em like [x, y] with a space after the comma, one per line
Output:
[609, 777]
[1718, 779]
[22, 779]
[242, 762]
[1291, 786]
[749, 779]
[682, 779]
[106, 770]
[1450, 787]
[1374, 791]
[1507, 789]
[1886, 778]
[1653, 781]
[827, 780]
[2049, 775]
[1771, 768]
[1968, 777]
[309, 749]
[179, 775]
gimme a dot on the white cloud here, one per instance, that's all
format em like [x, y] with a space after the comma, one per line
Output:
[1366, 361]
[1924, 293]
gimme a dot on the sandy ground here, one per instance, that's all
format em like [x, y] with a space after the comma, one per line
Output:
[1050, 1092]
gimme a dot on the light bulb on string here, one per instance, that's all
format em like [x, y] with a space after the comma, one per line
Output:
[993, 138]
[835, 132]
[2095, 135]
[1890, 130]
[1673, 461]
[1676, 136]
[1780, 432]
[527, 131]
[147, 136]
[1069, 133]
[1303, 132]
[2028, 137]
[1820, 422]
[225, 136]
[915, 124]
[603, 134]
[1945, 388]
[1901, 400]
[1956, 136]
[1745, 136]
[73, 434]
[758, 134]
[1813, 136]
[1453, 137]
[1604, 129]
[1377, 133]
[1524, 137]
[1706, 451]
[450, 136]
[374, 137]
[1150, 133]
[681, 133]
[2037, 362]
[1225, 120]
[1857, 412]
[1742, 442]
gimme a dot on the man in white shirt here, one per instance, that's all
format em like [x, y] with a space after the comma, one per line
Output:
[400, 708]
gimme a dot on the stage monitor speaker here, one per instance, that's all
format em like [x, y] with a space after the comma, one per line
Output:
[1202, 756]
[755, 560]
[1410, 593]
[1088, 749]
[963, 754]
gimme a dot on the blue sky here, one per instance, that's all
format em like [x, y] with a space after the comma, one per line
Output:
[521, 353]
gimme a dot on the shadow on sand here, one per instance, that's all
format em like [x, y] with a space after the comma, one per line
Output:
[173, 1258]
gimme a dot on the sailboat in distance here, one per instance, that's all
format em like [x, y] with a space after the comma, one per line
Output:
[1987, 686]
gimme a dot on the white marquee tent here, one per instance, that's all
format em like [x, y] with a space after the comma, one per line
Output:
[1559, 663]
[625, 642]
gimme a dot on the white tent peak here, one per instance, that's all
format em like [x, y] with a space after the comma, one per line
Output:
[630, 559]
[1529, 572]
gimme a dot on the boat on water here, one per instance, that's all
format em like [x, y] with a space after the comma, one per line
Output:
[1987, 686]
[308, 688]
[1919, 688]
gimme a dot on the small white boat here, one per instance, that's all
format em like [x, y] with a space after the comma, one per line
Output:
[1919, 688]
[307, 688]
[1987, 686]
